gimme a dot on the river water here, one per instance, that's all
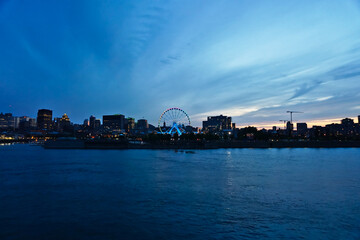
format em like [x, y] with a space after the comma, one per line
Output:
[164, 194]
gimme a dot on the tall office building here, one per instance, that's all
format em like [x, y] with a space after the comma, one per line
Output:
[44, 119]
[92, 122]
[97, 123]
[116, 121]
[63, 124]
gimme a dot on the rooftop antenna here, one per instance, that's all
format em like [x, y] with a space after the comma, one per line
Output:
[291, 113]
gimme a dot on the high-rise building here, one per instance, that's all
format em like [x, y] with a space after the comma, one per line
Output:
[86, 123]
[114, 121]
[6, 121]
[97, 123]
[44, 119]
[63, 124]
[65, 118]
[142, 124]
[92, 122]
[217, 123]
[359, 119]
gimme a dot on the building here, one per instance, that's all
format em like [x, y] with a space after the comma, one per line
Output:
[142, 124]
[6, 121]
[317, 132]
[32, 122]
[191, 129]
[26, 123]
[97, 124]
[289, 127]
[65, 122]
[44, 119]
[113, 122]
[217, 123]
[62, 124]
[56, 124]
[65, 118]
[129, 124]
[302, 129]
[92, 122]
[359, 119]
[347, 122]
[86, 123]
[17, 122]
[334, 129]
[348, 126]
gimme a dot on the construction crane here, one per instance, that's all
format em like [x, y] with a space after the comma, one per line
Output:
[284, 122]
[291, 113]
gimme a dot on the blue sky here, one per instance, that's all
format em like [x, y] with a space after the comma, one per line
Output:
[252, 60]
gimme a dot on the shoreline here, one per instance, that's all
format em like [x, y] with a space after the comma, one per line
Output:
[79, 144]
[196, 145]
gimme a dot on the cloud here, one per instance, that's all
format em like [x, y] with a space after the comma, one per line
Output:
[170, 59]
[139, 58]
[235, 112]
[348, 70]
[304, 89]
[324, 98]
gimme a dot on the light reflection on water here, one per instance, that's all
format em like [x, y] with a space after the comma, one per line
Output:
[162, 194]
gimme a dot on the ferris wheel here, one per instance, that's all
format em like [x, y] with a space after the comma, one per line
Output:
[173, 120]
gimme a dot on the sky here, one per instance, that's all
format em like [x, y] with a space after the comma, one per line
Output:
[251, 60]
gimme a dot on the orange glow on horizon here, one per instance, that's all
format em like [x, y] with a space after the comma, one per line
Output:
[310, 123]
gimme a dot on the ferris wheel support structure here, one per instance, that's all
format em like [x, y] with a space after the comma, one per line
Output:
[178, 119]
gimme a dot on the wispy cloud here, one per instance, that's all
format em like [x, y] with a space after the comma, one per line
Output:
[305, 88]
[249, 60]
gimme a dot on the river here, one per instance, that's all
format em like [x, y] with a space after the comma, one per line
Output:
[298, 193]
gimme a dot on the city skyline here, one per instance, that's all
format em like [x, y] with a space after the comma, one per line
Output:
[252, 61]
[279, 124]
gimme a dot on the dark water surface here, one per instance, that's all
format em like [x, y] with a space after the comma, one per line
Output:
[163, 194]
